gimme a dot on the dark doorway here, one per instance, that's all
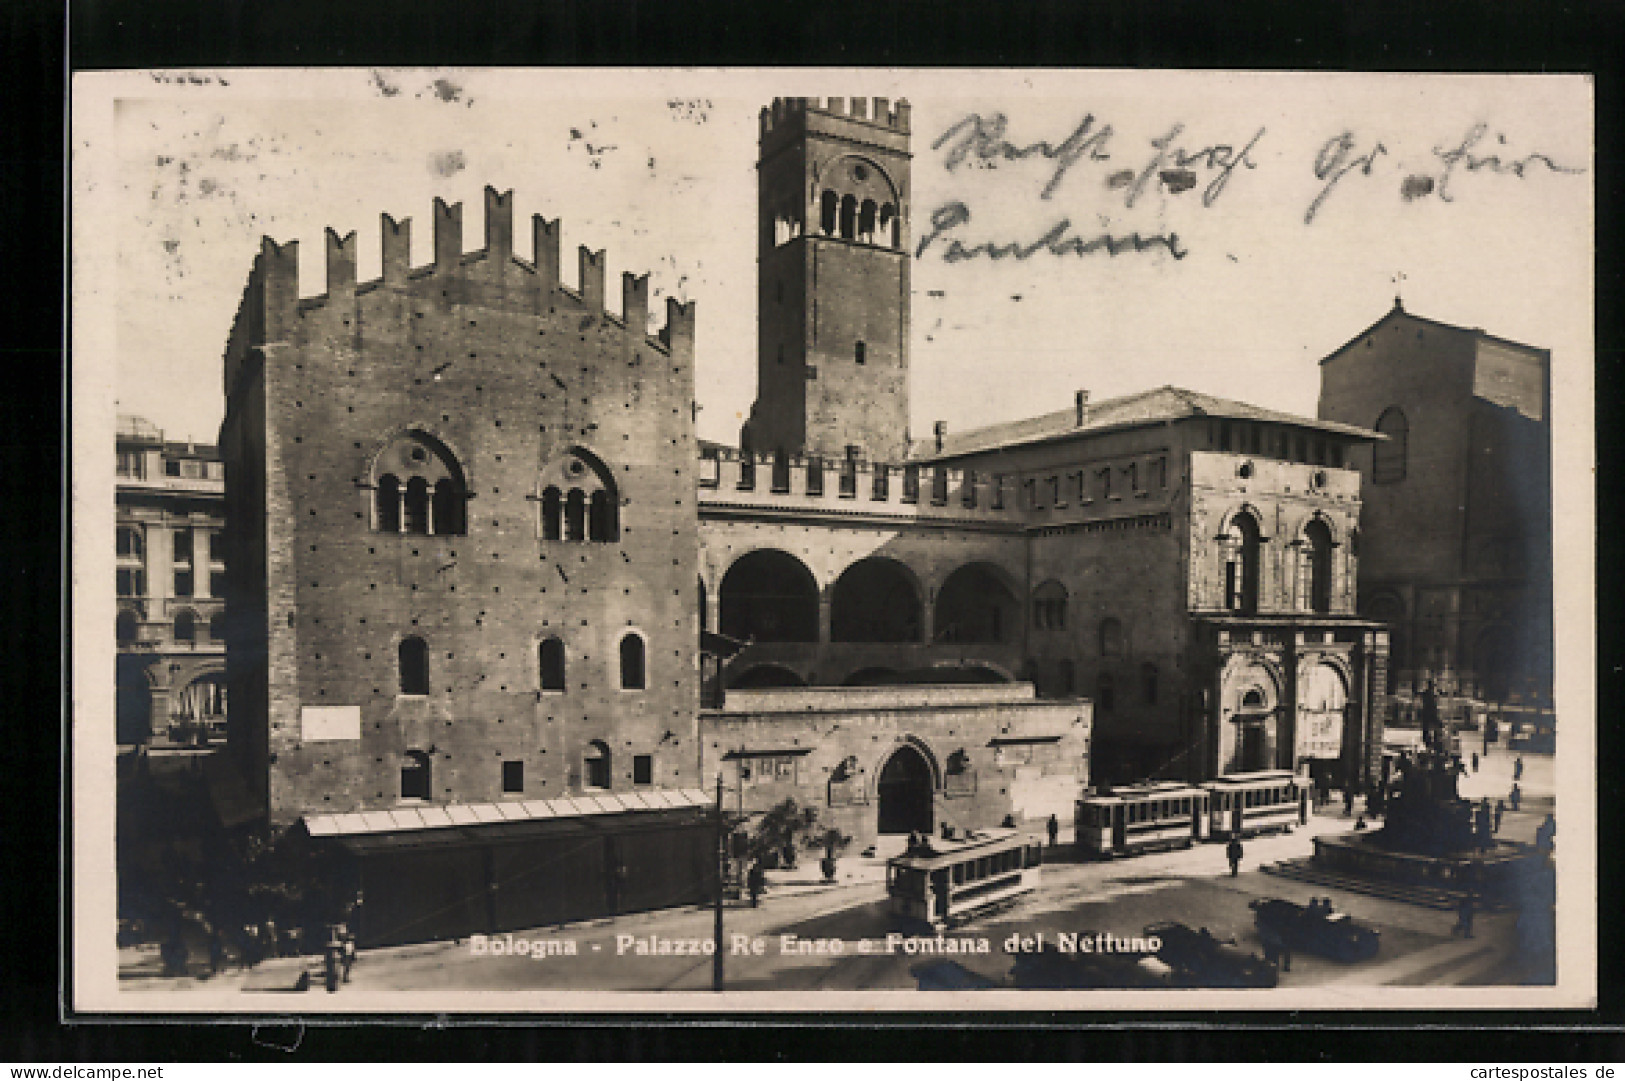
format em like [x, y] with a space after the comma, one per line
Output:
[905, 790]
[1253, 747]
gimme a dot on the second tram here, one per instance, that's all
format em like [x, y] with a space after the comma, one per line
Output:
[1243, 804]
[1140, 818]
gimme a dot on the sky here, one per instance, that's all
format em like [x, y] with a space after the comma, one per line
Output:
[181, 174]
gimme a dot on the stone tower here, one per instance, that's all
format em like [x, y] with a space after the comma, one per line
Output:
[833, 280]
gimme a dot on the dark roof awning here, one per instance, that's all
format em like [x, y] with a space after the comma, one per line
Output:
[1017, 741]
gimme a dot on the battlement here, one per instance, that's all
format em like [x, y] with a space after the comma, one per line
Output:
[276, 271]
[877, 111]
[853, 486]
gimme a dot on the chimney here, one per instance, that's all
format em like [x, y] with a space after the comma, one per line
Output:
[901, 116]
[1081, 401]
[940, 431]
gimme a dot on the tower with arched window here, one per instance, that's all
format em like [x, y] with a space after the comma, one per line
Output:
[833, 279]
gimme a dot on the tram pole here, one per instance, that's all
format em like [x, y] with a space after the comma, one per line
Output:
[722, 874]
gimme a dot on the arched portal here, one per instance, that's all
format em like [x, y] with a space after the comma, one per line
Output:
[874, 600]
[765, 675]
[974, 605]
[769, 596]
[904, 792]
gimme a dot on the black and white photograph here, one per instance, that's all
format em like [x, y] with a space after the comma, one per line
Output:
[579, 540]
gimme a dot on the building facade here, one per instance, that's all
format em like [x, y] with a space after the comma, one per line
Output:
[1457, 516]
[467, 557]
[170, 580]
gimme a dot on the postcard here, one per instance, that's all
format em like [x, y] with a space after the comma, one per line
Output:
[576, 541]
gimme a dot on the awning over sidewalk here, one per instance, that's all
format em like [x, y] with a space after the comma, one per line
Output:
[455, 822]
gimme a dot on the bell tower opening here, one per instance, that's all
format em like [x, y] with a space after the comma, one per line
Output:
[833, 289]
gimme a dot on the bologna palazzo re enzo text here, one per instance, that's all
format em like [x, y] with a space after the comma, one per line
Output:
[479, 571]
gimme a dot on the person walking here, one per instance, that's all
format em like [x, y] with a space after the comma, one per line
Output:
[1232, 852]
[1348, 802]
[1515, 797]
[1054, 828]
[1464, 917]
[1517, 768]
[1475, 761]
[756, 883]
[1500, 809]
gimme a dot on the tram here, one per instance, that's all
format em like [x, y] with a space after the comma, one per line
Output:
[942, 882]
[1243, 804]
[1139, 818]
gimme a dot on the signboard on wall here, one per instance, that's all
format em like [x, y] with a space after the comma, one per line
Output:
[329, 723]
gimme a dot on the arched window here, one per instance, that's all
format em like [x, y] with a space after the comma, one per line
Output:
[888, 226]
[552, 513]
[1388, 456]
[600, 517]
[128, 627]
[579, 499]
[417, 506]
[575, 513]
[414, 666]
[552, 661]
[185, 626]
[129, 541]
[866, 221]
[632, 674]
[849, 217]
[597, 762]
[416, 779]
[388, 499]
[1111, 637]
[448, 508]
[418, 488]
[829, 206]
[1049, 607]
[1318, 566]
[1241, 550]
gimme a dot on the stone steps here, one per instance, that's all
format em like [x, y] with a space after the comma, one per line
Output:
[1305, 870]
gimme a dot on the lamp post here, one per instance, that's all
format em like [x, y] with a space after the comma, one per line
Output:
[722, 873]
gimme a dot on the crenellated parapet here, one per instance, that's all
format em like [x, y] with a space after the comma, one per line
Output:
[809, 484]
[272, 305]
[878, 111]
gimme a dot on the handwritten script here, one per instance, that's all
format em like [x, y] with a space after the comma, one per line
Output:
[1171, 164]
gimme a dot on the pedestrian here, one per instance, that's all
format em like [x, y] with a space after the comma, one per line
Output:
[1515, 797]
[1500, 809]
[1464, 917]
[756, 883]
[1348, 802]
[1054, 830]
[1517, 769]
[1359, 823]
[1475, 761]
[1232, 852]
[348, 939]
[332, 959]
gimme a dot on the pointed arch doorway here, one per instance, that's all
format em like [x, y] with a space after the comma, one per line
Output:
[905, 791]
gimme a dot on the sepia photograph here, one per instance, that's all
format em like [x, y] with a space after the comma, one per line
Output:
[580, 540]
